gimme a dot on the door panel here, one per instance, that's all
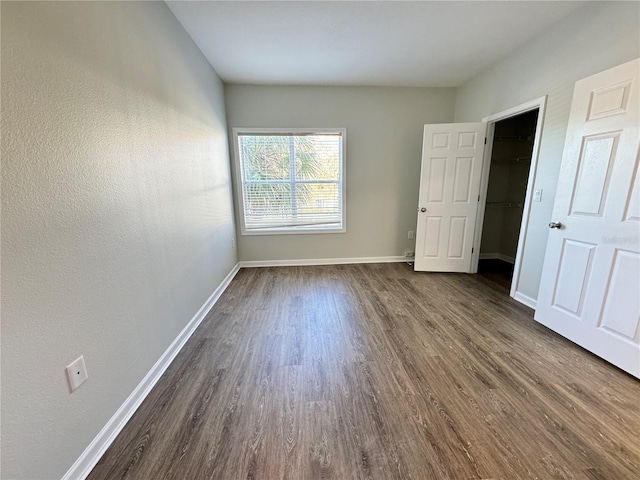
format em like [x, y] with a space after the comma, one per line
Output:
[573, 276]
[632, 210]
[610, 100]
[594, 167]
[449, 187]
[431, 236]
[624, 284]
[457, 236]
[590, 284]
[437, 171]
[462, 181]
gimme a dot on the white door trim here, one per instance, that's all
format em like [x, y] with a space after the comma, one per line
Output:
[539, 104]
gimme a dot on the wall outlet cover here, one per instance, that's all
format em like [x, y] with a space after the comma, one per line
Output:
[77, 373]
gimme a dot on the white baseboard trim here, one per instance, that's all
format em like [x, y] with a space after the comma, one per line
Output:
[497, 256]
[92, 454]
[525, 299]
[322, 261]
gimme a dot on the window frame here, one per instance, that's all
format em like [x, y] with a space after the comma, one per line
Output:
[239, 180]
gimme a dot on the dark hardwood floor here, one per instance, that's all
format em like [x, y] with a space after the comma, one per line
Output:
[497, 271]
[374, 371]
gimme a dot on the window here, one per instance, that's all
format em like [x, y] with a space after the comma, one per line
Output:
[290, 181]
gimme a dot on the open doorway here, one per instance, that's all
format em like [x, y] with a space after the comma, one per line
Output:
[524, 124]
[454, 179]
[510, 163]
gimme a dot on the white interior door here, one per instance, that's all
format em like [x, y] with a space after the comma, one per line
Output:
[448, 204]
[590, 287]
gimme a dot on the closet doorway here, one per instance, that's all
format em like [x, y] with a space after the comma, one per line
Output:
[507, 191]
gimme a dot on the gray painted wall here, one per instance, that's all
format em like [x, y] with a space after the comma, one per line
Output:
[117, 217]
[116, 213]
[384, 143]
[598, 36]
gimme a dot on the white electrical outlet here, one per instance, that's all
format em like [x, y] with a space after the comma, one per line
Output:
[233, 242]
[410, 234]
[77, 373]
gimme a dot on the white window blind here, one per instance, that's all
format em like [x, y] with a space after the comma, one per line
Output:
[291, 181]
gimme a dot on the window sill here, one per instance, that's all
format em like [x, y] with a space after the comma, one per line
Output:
[293, 231]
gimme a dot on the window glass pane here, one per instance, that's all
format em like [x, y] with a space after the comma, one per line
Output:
[318, 203]
[267, 203]
[318, 157]
[291, 181]
[265, 157]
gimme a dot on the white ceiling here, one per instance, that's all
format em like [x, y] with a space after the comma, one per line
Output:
[399, 43]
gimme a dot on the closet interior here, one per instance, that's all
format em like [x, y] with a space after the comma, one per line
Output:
[508, 176]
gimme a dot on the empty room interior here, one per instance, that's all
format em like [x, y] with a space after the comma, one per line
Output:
[320, 240]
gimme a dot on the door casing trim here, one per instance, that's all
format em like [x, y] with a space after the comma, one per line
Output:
[539, 104]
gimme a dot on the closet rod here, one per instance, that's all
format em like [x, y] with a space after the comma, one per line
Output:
[513, 137]
[504, 204]
[513, 160]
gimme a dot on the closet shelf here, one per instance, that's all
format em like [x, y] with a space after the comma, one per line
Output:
[518, 138]
[504, 204]
[513, 160]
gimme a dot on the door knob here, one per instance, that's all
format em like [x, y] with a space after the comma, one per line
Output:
[556, 225]
[423, 209]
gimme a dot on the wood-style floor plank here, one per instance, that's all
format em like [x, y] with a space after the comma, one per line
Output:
[378, 372]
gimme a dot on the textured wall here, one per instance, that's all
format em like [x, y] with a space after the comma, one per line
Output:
[116, 212]
[594, 38]
[384, 145]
